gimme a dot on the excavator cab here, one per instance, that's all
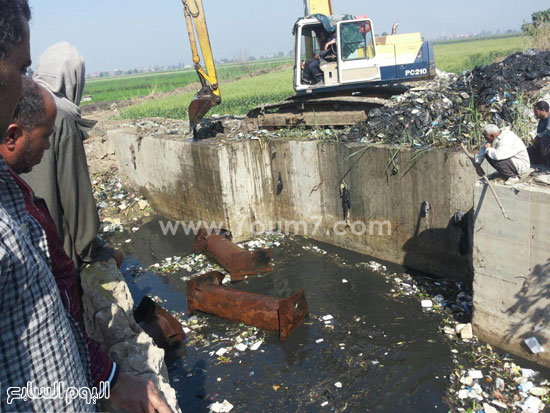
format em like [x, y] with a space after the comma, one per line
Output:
[362, 59]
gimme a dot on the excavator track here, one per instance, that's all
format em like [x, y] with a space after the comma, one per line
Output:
[321, 110]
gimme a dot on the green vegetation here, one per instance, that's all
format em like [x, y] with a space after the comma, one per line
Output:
[459, 56]
[539, 29]
[237, 97]
[541, 37]
[126, 87]
[538, 19]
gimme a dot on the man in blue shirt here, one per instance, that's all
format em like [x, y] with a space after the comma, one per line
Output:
[539, 151]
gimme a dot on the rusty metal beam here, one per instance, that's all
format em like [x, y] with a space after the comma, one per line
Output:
[161, 326]
[237, 261]
[205, 293]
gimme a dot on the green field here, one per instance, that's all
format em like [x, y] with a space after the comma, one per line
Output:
[240, 96]
[237, 97]
[459, 56]
[126, 87]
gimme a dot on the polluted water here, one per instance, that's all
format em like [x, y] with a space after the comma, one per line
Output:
[372, 342]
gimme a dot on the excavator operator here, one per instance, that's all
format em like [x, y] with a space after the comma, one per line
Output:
[312, 68]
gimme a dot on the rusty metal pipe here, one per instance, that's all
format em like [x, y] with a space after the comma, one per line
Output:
[160, 325]
[205, 293]
[237, 261]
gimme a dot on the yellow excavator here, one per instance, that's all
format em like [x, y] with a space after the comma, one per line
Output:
[359, 72]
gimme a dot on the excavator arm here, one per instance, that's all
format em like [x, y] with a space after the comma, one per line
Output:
[317, 7]
[209, 94]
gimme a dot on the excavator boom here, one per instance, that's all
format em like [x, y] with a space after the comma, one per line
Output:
[209, 94]
[318, 7]
[334, 87]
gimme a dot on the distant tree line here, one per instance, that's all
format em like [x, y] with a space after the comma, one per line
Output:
[539, 18]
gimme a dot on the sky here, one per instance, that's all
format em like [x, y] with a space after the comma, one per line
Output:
[124, 34]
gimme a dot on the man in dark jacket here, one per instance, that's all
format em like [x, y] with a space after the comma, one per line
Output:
[539, 150]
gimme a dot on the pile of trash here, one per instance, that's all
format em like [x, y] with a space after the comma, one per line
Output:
[158, 127]
[518, 73]
[453, 107]
[193, 263]
[238, 339]
[498, 384]
[114, 202]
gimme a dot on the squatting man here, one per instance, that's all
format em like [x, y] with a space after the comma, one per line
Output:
[505, 152]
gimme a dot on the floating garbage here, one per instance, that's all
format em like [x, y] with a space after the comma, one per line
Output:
[221, 352]
[427, 303]
[257, 345]
[475, 374]
[532, 405]
[218, 407]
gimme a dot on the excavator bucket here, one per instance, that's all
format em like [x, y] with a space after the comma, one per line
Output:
[203, 101]
[205, 293]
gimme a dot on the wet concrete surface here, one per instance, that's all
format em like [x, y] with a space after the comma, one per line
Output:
[388, 355]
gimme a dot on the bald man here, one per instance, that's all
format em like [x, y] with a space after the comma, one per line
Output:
[505, 151]
[27, 137]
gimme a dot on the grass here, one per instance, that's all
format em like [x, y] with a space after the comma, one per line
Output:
[237, 97]
[541, 37]
[459, 56]
[126, 87]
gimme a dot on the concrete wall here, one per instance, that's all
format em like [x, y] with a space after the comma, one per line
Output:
[512, 268]
[236, 184]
